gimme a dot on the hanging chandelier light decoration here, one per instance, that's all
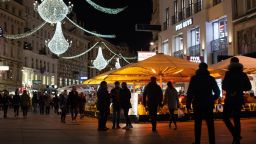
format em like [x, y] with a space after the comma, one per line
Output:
[58, 44]
[117, 65]
[104, 9]
[100, 62]
[53, 11]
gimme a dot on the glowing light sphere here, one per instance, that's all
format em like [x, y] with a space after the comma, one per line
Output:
[100, 62]
[58, 44]
[53, 11]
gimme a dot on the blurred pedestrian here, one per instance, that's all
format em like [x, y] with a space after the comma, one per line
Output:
[171, 98]
[73, 100]
[115, 96]
[200, 94]
[82, 102]
[103, 103]
[35, 101]
[55, 100]
[41, 102]
[25, 102]
[152, 98]
[16, 103]
[5, 102]
[234, 83]
[125, 103]
[47, 101]
[63, 102]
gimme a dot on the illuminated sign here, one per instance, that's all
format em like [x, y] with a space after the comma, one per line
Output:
[84, 78]
[142, 55]
[196, 59]
[184, 24]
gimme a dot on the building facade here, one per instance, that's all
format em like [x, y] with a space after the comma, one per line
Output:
[198, 30]
[11, 51]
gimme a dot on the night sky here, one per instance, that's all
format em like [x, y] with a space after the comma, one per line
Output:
[122, 24]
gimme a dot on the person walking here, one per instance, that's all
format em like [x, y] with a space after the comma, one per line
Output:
[171, 98]
[200, 94]
[5, 102]
[63, 102]
[115, 96]
[47, 101]
[55, 101]
[41, 102]
[152, 98]
[125, 103]
[234, 83]
[82, 102]
[73, 100]
[103, 103]
[25, 101]
[35, 101]
[16, 103]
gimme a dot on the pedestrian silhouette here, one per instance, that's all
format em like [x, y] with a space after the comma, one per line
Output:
[234, 83]
[200, 94]
[115, 96]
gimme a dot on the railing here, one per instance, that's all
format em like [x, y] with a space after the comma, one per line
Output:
[188, 11]
[179, 54]
[219, 44]
[197, 7]
[194, 50]
[173, 19]
[180, 16]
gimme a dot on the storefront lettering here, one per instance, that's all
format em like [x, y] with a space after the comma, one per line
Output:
[184, 24]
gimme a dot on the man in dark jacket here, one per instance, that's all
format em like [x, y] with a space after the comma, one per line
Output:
[200, 95]
[115, 96]
[5, 102]
[234, 83]
[73, 100]
[152, 98]
[16, 103]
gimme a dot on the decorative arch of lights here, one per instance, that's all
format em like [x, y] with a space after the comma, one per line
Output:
[104, 9]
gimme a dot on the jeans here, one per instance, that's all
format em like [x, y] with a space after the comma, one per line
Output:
[127, 118]
[16, 110]
[116, 117]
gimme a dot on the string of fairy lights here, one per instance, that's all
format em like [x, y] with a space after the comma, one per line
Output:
[54, 12]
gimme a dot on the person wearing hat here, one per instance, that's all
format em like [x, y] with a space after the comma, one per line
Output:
[200, 94]
[234, 83]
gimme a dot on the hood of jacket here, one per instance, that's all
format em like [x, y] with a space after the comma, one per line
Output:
[235, 67]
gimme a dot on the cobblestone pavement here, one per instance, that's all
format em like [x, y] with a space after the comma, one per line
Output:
[47, 129]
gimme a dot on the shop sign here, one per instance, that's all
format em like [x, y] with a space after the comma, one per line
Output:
[184, 24]
[36, 81]
[142, 55]
[196, 59]
[83, 77]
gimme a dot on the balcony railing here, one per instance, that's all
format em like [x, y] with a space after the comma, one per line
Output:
[197, 7]
[179, 54]
[215, 2]
[165, 25]
[188, 11]
[194, 50]
[173, 19]
[180, 16]
[219, 44]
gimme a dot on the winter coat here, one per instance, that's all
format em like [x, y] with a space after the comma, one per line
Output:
[103, 99]
[115, 96]
[152, 95]
[25, 100]
[234, 83]
[125, 96]
[5, 100]
[73, 99]
[171, 97]
[82, 101]
[16, 100]
[63, 101]
[200, 91]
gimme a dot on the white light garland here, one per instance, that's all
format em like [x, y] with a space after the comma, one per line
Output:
[104, 9]
[53, 11]
[100, 62]
[92, 33]
[117, 65]
[4, 0]
[23, 35]
[58, 44]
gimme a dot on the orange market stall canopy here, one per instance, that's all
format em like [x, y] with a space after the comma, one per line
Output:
[248, 63]
[164, 67]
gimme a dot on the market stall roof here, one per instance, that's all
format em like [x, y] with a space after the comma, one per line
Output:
[165, 67]
[248, 63]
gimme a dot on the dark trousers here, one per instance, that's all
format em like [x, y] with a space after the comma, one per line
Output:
[73, 110]
[41, 108]
[16, 110]
[235, 129]
[5, 109]
[116, 117]
[127, 118]
[172, 116]
[47, 110]
[153, 116]
[102, 119]
[25, 111]
[63, 114]
[206, 114]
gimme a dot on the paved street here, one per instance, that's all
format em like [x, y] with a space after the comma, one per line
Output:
[43, 129]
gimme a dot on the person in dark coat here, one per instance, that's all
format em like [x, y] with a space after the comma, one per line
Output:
[125, 103]
[55, 100]
[152, 98]
[103, 103]
[234, 83]
[73, 100]
[63, 102]
[41, 102]
[171, 98]
[25, 102]
[5, 102]
[115, 96]
[16, 103]
[82, 102]
[200, 94]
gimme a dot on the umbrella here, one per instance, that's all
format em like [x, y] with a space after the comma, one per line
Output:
[164, 67]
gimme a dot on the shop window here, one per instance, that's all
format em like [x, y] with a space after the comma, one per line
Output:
[247, 40]
[194, 49]
[220, 34]
[165, 47]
